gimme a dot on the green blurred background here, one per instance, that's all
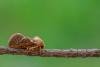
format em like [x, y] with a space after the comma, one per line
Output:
[62, 24]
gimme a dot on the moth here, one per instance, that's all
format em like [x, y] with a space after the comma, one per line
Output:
[19, 41]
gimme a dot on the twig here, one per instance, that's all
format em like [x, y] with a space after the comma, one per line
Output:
[53, 52]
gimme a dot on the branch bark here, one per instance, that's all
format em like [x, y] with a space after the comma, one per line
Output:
[53, 52]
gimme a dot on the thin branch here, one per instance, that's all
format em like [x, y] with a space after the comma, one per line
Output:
[53, 52]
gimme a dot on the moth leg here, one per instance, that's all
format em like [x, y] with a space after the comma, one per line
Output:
[34, 49]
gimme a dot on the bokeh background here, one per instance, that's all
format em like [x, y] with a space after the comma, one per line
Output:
[62, 24]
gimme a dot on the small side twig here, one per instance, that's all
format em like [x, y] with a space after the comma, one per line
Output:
[53, 52]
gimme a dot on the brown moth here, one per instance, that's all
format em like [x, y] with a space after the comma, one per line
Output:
[15, 39]
[38, 43]
[19, 41]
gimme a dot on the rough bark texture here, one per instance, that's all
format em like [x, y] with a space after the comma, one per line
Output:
[53, 52]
